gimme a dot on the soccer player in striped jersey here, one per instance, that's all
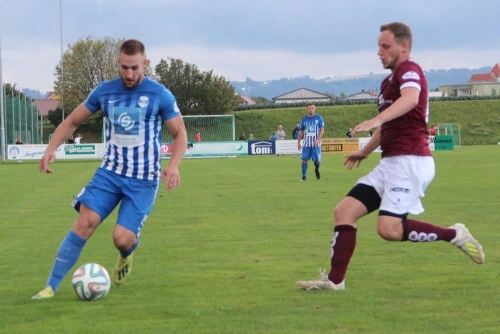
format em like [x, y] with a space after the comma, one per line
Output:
[311, 131]
[406, 169]
[136, 108]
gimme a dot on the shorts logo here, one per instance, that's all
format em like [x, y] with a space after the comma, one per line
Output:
[401, 190]
[143, 101]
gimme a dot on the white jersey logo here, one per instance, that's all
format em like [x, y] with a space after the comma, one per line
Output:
[143, 101]
[411, 75]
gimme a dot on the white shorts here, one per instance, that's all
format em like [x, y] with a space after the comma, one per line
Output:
[401, 182]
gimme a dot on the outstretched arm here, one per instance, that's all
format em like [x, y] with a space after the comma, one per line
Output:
[62, 133]
[407, 101]
[355, 158]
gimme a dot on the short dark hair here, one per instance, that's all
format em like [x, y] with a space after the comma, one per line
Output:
[401, 31]
[311, 104]
[131, 47]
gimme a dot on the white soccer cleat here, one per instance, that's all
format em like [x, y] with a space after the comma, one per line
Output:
[322, 284]
[466, 242]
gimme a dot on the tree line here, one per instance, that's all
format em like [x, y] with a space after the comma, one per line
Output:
[90, 61]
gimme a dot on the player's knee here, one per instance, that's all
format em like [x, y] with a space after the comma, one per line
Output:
[124, 241]
[341, 214]
[84, 228]
[389, 230]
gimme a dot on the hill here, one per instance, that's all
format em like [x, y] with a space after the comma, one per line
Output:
[347, 85]
[479, 120]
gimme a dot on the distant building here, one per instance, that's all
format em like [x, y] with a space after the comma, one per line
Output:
[301, 95]
[371, 94]
[45, 105]
[480, 84]
[244, 100]
[436, 94]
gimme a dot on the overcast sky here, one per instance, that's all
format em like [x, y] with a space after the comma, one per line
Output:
[259, 39]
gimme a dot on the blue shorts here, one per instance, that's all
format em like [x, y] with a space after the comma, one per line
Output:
[107, 189]
[311, 152]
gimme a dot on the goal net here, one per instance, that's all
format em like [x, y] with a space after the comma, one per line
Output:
[450, 129]
[210, 127]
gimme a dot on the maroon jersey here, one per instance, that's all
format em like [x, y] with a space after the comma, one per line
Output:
[407, 134]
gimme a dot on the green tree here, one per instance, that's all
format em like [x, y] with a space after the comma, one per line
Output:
[493, 92]
[197, 93]
[55, 116]
[86, 63]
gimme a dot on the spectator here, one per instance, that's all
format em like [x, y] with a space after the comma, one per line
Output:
[197, 138]
[78, 138]
[280, 133]
[242, 137]
[350, 134]
[273, 136]
[250, 136]
[432, 131]
[19, 142]
[71, 140]
[295, 133]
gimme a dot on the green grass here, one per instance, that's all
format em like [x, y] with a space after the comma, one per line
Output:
[222, 253]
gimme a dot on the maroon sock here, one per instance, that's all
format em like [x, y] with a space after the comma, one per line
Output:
[417, 231]
[344, 242]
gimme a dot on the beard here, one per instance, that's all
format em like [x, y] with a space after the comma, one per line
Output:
[131, 83]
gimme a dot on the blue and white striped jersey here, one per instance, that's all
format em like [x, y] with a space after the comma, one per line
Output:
[311, 127]
[133, 123]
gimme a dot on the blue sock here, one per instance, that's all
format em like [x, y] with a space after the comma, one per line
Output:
[304, 169]
[131, 250]
[68, 254]
[316, 165]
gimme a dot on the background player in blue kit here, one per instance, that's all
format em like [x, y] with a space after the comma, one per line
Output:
[311, 131]
[136, 108]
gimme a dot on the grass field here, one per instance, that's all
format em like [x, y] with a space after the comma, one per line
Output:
[222, 253]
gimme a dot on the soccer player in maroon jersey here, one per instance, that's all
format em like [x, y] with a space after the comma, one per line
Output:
[406, 169]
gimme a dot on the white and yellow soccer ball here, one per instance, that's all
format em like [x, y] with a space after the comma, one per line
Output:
[91, 282]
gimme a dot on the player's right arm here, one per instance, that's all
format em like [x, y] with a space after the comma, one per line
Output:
[62, 133]
[355, 158]
[299, 143]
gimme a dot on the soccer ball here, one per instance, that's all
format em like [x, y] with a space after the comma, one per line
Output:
[91, 282]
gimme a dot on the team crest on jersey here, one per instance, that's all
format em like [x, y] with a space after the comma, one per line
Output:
[411, 75]
[143, 101]
[176, 108]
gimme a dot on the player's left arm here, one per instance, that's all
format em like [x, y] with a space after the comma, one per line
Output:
[407, 101]
[320, 136]
[178, 131]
